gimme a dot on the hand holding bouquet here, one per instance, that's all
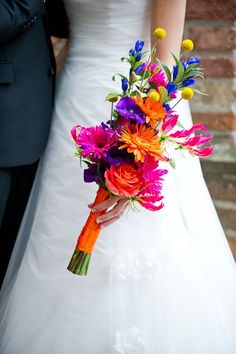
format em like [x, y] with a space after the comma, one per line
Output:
[123, 154]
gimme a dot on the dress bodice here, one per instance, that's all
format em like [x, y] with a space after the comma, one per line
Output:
[108, 27]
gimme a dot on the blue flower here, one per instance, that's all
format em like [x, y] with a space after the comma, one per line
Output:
[132, 52]
[128, 109]
[124, 84]
[139, 46]
[188, 82]
[193, 60]
[139, 69]
[167, 107]
[171, 88]
[184, 63]
[139, 56]
[175, 71]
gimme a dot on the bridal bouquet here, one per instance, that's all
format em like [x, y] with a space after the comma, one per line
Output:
[123, 154]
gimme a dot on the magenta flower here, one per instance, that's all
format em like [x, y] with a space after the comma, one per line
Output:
[159, 79]
[152, 184]
[75, 132]
[191, 139]
[94, 141]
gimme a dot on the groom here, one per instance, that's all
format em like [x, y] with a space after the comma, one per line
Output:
[27, 78]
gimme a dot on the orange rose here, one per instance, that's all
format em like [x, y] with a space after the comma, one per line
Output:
[123, 180]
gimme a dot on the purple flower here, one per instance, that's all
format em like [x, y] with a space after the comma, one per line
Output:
[95, 141]
[91, 174]
[116, 157]
[128, 109]
[193, 60]
[188, 82]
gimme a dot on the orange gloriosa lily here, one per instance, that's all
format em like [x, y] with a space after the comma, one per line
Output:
[153, 110]
[142, 141]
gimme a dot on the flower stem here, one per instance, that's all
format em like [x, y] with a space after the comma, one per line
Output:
[79, 262]
[149, 59]
[176, 103]
[111, 110]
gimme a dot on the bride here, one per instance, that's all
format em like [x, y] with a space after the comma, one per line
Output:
[161, 282]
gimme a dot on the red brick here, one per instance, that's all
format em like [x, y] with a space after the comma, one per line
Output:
[232, 245]
[216, 121]
[227, 218]
[213, 38]
[222, 189]
[219, 66]
[211, 9]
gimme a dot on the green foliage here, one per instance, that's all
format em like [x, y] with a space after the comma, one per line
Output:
[180, 74]
[164, 94]
[166, 69]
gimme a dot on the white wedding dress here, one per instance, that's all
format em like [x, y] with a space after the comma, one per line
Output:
[159, 282]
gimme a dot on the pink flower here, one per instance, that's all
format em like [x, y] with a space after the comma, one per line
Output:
[159, 78]
[152, 184]
[94, 141]
[191, 139]
[75, 131]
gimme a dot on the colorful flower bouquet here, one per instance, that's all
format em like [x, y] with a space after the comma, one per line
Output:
[123, 154]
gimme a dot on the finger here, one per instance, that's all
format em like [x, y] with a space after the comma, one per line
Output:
[109, 222]
[116, 211]
[106, 204]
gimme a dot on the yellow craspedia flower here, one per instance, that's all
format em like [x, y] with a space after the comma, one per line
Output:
[160, 33]
[154, 96]
[187, 93]
[187, 45]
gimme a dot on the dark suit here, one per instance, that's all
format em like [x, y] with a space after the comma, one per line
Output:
[27, 76]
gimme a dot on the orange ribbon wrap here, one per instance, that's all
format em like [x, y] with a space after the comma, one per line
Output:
[91, 229]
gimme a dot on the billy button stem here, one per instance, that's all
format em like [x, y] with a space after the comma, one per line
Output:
[159, 33]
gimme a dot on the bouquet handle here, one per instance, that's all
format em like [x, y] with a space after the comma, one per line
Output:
[80, 259]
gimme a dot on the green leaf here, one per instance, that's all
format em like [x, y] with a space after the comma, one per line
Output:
[137, 64]
[192, 73]
[164, 94]
[134, 93]
[166, 69]
[111, 95]
[115, 114]
[200, 93]
[118, 74]
[180, 69]
[172, 163]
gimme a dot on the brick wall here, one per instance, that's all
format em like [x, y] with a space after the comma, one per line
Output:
[210, 24]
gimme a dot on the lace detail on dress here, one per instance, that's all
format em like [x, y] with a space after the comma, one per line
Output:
[144, 264]
[130, 341]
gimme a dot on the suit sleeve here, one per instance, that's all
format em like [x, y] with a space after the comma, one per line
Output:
[57, 19]
[17, 16]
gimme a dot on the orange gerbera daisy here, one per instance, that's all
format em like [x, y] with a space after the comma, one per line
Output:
[153, 110]
[142, 141]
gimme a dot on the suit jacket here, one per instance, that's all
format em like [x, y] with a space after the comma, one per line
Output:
[27, 73]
